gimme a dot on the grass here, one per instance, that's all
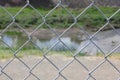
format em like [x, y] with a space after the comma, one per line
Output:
[59, 18]
[7, 53]
[13, 33]
[112, 56]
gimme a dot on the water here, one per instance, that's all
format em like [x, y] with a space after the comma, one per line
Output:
[61, 44]
[8, 40]
[104, 43]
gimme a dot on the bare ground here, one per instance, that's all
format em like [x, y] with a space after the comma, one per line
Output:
[46, 71]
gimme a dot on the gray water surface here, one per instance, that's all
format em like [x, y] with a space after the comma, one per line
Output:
[60, 44]
[104, 43]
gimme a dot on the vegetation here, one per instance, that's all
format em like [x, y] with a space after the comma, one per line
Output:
[59, 18]
[112, 56]
[7, 53]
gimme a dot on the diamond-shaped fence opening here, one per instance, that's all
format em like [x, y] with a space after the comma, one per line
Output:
[108, 41]
[92, 18]
[15, 69]
[57, 60]
[12, 36]
[60, 43]
[50, 70]
[23, 19]
[70, 71]
[62, 20]
[109, 70]
[25, 54]
[43, 33]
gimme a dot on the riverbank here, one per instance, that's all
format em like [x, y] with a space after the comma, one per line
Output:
[105, 40]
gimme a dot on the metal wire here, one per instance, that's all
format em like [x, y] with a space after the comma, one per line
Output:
[45, 56]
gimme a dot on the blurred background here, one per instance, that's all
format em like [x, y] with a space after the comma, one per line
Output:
[51, 3]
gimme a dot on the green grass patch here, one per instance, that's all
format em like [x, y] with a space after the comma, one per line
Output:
[13, 33]
[59, 18]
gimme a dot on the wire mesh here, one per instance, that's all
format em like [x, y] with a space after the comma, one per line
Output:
[49, 67]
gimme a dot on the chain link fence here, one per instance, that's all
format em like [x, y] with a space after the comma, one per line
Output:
[49, 65]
